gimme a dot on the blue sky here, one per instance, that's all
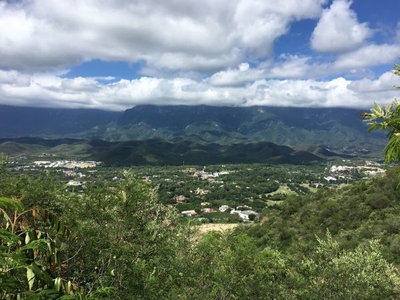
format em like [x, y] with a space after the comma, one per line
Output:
[113, 55]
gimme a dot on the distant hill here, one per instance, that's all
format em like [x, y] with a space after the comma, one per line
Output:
[338, 129]
[50, 122]
[156, 152]
[161, 152]
[335, 128]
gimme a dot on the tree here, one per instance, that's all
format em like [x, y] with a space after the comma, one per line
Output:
[337, 274]
[228, 265]
[123, 243]
[387, 119]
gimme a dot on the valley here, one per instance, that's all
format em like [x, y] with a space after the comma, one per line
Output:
[213, 193]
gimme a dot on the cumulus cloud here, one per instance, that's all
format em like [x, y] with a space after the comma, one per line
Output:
[46, 90]
[385, 83]
[338, 29]
[294, 66]
[238, 76]
[45, 34]
[367, 56]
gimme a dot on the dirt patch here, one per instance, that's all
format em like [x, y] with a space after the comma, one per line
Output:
[216, 227]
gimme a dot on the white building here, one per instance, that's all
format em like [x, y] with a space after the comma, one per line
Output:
[244, 214]
[223, 208]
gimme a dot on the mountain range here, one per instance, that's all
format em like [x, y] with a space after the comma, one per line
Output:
[161, 134]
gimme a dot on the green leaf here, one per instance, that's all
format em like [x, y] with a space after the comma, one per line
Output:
[8, 237]
[68, 287]
[14, 260]
[41, 245]
[11, 203]
[30, 276]
[57, 284]
[27, 238]
[42, 274]
[48, 294]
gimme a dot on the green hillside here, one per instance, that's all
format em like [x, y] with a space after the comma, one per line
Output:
[157, 151]
[12, 148]
[337, 128]
[340, 129]
[354, 214]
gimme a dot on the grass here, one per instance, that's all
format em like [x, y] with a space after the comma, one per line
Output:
[312, 189]
[283, 189]
[204, 228]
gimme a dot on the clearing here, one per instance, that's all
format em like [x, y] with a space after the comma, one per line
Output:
[204, 228]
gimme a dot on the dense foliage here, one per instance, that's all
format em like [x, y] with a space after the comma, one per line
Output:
[353, 215]
[387, 119]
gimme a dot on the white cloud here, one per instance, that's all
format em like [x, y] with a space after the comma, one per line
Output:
[49, 91]
[368, 56]
[338, 29]
[385, 83]
[288, 67]
[294, 66]
[234, 77]
[206, 36]
[13, 78]
[260, 23]
[191, 52]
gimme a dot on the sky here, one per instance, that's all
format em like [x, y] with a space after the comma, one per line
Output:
[115, 54]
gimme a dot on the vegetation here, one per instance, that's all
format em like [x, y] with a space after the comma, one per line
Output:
[116, 240]
[387, 119]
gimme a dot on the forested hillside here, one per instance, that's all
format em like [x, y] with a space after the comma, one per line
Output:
[340, 129]
[353, 215]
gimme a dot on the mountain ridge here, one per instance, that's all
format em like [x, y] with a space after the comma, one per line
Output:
[339, 129]
[156, 151]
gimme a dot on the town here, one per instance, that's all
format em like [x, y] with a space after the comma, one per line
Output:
[216, 193]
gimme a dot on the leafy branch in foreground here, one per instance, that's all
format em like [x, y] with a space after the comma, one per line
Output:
[387, 119]
[30, 264]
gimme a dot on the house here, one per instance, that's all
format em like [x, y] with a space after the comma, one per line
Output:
[74, 186]
[74, 183]
[201, 192]
[223, 208]
[180, 199]
[330, 178]
[42, 163]
[189, 213]
[208, 210]
[243, 207]
[245, 214]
